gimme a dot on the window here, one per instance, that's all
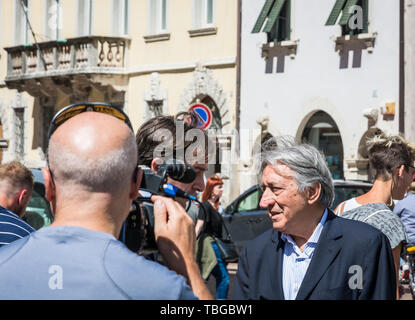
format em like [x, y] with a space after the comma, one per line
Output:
[120, 21]
[157, 22]
[250, 202]
[53, 19]
[322, 132]
[354, 16]
[203, 14]
[274, 19]
[21, 34]
[85, 17]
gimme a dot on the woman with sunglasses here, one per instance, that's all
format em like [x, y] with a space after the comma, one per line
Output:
[209, 224]
[392, 160]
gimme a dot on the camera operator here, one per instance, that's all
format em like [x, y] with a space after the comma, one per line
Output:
[173, 151]
[175, 137]
[91, 179]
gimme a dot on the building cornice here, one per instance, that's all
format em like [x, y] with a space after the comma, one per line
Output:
[182, 66]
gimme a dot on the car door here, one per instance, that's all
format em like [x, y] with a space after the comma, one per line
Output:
[257, 217]
[244, 218]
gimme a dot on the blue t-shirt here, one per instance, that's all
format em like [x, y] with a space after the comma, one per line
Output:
[12, 228]
[405, 209]
[65, 262]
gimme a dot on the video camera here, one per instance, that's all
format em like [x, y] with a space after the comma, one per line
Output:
[138, 230]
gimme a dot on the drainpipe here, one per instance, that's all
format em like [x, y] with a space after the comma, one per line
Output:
[402, 67]
[238, 72]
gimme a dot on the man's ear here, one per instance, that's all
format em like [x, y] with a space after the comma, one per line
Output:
[22, 196]
[313, 193]
[50, 188]
[155, 164]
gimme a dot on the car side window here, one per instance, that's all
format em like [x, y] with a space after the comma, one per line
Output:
[38, 213]
[250, 202]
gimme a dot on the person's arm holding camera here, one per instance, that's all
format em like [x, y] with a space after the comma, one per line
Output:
[175, 236]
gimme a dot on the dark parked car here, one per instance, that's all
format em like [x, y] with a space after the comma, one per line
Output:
[38, 213]
[245, 220]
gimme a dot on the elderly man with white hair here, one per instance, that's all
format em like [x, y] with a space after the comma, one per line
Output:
[310, 253]
[91, 179]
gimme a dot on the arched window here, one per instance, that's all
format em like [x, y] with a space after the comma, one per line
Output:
[322, 132]
[216, 117]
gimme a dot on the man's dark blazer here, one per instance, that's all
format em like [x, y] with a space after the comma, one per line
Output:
[332, 273]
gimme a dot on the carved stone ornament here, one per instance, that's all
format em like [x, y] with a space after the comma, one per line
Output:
[155, 98]
[203, 83]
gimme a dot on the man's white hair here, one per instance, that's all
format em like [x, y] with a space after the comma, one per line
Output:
[306, 161]
[108, 173]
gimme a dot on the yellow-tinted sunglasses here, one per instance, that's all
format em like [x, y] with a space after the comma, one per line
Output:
[75, 109]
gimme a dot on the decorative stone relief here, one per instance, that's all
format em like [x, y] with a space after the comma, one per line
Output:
[204, 83]
[18, 138]
[155, 98]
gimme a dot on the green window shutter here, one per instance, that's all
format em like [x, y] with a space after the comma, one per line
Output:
[272, 18]
[335, 12]
[262, 16]
[346, 14]
[365, 16]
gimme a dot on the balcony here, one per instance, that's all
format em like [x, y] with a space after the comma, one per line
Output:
[73, 66]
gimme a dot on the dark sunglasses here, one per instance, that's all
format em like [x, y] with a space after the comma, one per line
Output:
[75, 109]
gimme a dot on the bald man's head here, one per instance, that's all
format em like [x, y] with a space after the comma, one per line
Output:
[94, 151]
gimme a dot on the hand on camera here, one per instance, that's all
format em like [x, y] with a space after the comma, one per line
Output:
[175, 233]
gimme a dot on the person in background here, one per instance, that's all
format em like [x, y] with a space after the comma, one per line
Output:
[16, 187]
[209, 223]
[405, 209]
[164, 131]
[392, 160]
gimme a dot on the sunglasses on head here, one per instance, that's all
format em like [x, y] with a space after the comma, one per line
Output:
[75, 109]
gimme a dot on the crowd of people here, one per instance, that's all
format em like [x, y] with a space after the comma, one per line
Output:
[93, 174]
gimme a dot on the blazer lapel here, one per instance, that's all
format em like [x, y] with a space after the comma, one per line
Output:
[328, 247]
[275, 258]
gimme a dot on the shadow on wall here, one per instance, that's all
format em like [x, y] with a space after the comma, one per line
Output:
[275, 57]
[279, 58]
[356, 49]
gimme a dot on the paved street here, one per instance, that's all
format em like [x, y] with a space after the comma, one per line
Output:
[232, 267]
[407, 293]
